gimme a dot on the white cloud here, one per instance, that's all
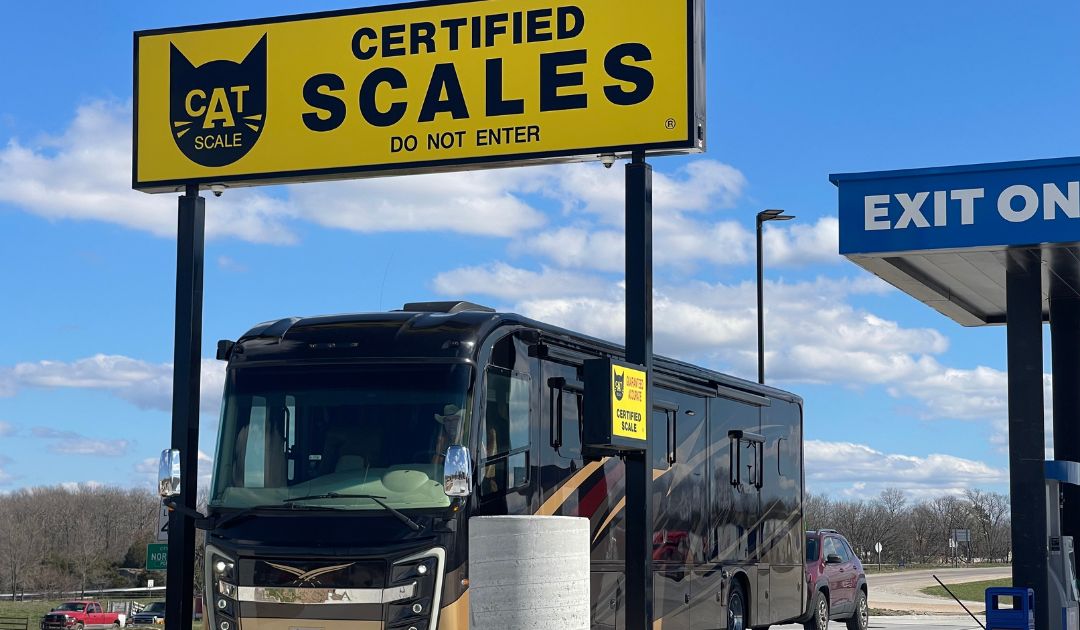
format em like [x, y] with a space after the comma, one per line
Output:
[681, 240]
[146, 385]
[85, 173]
[575, 248]
[6, 429]
[812, 334]
[978, 393]
[701, 186]
[678, 242]
[864, 471]
[685, 230]
[595, 197]
[511, 283]
[71, 443]
[798, 244]
[486, 203]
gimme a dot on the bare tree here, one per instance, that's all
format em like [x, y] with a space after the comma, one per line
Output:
[22, 544]
[64, 538]
[816, 511]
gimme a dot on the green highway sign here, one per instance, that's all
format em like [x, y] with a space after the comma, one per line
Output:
[157, 556]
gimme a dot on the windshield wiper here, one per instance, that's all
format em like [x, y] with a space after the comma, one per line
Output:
[413, 525]
[248, 511]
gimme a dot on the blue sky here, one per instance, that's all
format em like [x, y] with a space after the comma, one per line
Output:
[896, 394]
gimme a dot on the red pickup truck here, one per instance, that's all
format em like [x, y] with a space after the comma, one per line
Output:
[81, 615]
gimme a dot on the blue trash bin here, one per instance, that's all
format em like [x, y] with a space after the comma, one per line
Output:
[1020, 617]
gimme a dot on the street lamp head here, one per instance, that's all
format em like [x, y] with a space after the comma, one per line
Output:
[773, 214]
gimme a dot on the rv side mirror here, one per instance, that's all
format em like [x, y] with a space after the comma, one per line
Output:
[169, 474]
[457, 472]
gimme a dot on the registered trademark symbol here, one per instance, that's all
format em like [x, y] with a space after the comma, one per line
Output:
[670, 124]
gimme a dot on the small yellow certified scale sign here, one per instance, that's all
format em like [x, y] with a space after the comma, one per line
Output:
[628, 397]
[417, 87]
[616, 406]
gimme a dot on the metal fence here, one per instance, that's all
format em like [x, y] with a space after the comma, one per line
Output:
[14, 623]
[141, 592]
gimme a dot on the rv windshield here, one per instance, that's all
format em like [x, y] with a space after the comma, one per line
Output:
[380, 430]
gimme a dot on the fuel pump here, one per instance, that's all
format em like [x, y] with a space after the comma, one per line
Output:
[1064, 595]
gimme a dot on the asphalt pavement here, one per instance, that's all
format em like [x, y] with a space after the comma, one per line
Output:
[924, 622]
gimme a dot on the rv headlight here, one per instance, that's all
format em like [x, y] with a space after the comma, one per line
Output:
[224, 569]
[224, 575]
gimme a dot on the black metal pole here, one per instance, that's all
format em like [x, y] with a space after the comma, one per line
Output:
[187, 352]
[1065, 361]
[639, 516]
[1027, 476]
[760, 309]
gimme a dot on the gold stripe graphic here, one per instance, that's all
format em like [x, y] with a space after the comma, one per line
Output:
[557, 498]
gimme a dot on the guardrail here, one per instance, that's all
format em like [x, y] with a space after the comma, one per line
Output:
[101, 593]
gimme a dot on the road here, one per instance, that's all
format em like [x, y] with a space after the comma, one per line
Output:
[901, 590]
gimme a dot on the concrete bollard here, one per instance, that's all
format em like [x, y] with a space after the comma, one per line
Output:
[528, 572]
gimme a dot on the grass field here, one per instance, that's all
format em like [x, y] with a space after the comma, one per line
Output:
[968, 591]
[33, 610]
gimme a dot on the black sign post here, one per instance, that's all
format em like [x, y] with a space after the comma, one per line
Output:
[187, 353]
[639, 526]
[1023, 294]
[1065, 361]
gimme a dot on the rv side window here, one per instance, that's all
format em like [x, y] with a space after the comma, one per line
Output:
[255, 445]
[290, 435]
[504, 440]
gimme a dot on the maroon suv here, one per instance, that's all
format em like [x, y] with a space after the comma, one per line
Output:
[836, 582]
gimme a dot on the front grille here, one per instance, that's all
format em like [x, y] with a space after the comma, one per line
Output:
[314, 574]
[401, 596]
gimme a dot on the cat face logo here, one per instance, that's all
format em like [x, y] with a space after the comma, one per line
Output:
[620, 385]
[217, 110]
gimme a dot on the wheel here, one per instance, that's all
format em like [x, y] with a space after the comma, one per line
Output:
[116, 625]
[736, 608]
[78, 625]
[819, 610]
[861, 619]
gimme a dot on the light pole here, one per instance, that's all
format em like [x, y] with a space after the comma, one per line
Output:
[762, 217]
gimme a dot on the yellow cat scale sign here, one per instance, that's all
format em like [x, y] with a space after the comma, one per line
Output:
[628, 403]
[418, 87]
